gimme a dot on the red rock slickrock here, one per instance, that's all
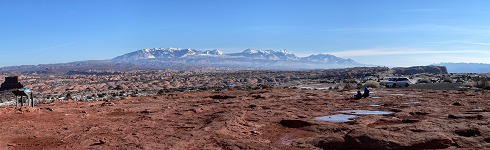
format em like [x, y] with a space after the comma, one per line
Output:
[275, 119]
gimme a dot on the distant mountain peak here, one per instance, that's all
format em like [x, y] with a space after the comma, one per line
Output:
[250, 51]
[328, 58]
[214, 52]
[285, 51]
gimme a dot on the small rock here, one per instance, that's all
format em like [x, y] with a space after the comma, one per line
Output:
[197, 110]
[266, 107]
[410, 120]
[146, 111]
[419, 113]
[417, 130]
[465, 116]
[100, 142]
[107, 103]
[222, 97]
[255, 132]
[457, 104]
[303, 116]
[477, 110]
[396, 110]
[252, 106]
[468, 132]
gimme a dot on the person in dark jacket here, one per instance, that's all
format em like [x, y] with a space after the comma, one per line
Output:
[366, 92]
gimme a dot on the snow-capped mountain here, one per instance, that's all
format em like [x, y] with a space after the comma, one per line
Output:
[165, 53]
[214, 52]
[266, 55]
[248, 58]
[327, 58]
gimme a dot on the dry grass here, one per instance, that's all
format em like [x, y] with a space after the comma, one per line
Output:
[371, 84]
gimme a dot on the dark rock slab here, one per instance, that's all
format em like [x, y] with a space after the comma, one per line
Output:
[465, 116]
[294, 123]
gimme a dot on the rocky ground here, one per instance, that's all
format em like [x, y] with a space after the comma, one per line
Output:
[256, 119]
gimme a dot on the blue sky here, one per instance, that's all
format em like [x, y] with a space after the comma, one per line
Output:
[380, 32]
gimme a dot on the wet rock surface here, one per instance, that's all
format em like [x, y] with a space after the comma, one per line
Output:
[279, 119]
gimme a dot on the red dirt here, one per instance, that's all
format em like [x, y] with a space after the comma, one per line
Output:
[251, 120]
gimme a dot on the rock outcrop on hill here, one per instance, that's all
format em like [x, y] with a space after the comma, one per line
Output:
[420, 69]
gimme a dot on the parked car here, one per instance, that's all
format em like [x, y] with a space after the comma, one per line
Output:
[398, 82]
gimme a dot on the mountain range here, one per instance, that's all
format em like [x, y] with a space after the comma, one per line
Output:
[248, 54]
[181, 59]
[249, 58]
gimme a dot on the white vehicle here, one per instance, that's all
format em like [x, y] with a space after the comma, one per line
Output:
[398, 82]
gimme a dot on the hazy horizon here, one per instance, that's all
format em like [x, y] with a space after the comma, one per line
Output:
[381, 32]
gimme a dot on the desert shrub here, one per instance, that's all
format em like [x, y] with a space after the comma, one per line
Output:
[348, 86]
[482, 83]
[43, 101]
[359, 85]
[162, 91]
[371, 84]
[469, 84]
[447, 80]
[68, 96]
[423, 81]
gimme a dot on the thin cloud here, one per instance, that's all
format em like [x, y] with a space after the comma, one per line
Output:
[38, 50]
[475, 43]
[415, 28]
[421, 10]
[56, 46]
[378, 52]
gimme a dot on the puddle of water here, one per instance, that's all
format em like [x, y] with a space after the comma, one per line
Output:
[374, 105]
[375, 97]
[366, 112]
[398, 94]
[410, 103]
[336, 118]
